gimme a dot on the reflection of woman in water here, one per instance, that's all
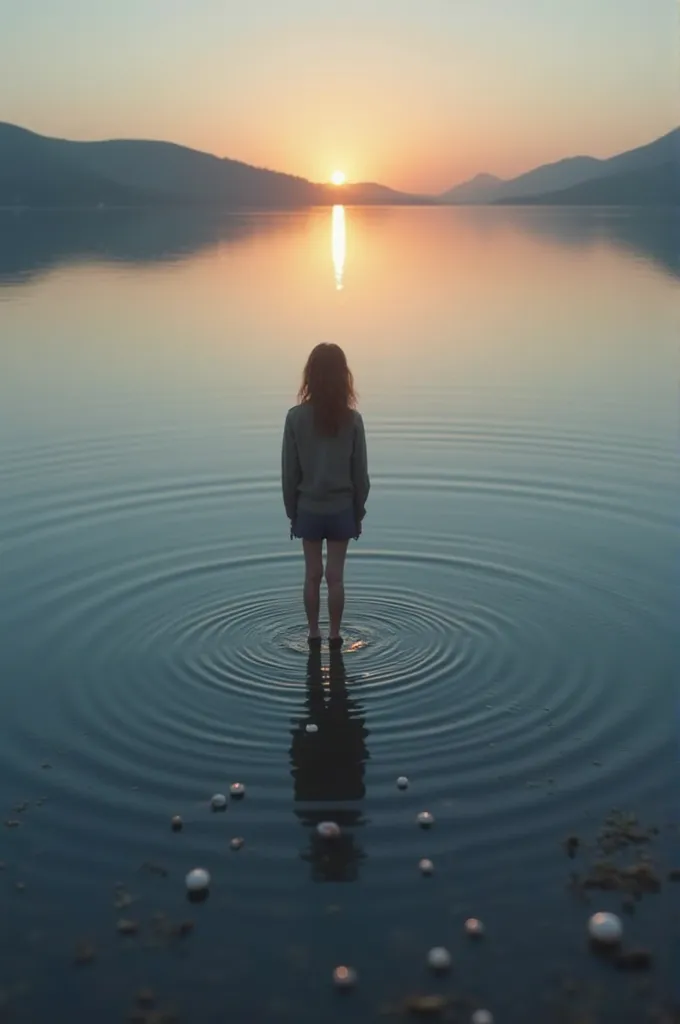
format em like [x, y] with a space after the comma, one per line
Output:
[324, 474]
[328, 767]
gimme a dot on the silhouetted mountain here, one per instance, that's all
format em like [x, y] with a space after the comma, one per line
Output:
[371, 193]
[40, 171]
[480, 189]
[565, 174]
[652, 186]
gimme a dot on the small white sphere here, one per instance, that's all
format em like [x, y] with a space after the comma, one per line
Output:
[474, 927]
[605, 928]
[439, 959]
[425, 819]
[237, 789]
[236, 843]
[311, 727]
[219, 802]
[402, 782]
[328, 829]
[426, 866]
[344, 977]
[197, 880]
[481, 1017]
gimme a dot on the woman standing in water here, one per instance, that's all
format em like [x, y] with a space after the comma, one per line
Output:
[324, 474]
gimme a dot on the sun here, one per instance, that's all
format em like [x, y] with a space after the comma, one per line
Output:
[338, 177]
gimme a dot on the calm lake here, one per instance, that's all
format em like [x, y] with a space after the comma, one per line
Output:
[511, 626]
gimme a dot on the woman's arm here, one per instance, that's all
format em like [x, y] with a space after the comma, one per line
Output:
[291, 473]
[360, 477]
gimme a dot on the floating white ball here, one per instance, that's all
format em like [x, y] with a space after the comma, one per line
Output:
[311, 727]
[481, 1017]
[197, 880]
[237, 789]
[425, 819]
[605, 928]
[328, 829]
[402, 782]
[474, 927]
[426, 866]
[219, 802]
[439, 959]
[176, 823]
[236, 843]
[344, 977]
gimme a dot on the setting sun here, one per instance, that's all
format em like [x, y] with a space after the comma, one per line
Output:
[338, 178]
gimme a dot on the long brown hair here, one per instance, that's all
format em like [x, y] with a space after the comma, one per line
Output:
[328, 386]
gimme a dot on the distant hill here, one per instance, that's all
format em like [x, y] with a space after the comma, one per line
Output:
[480, 189]
[651, 186]
[371, 193]
[566, 174]
[33, 172]
[40, 171]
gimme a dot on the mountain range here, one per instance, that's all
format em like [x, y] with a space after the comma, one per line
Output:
[646, 175]
[37, 171]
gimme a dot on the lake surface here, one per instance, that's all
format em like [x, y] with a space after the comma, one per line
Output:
[511, 622]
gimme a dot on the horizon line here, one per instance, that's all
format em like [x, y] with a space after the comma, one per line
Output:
[328, 184]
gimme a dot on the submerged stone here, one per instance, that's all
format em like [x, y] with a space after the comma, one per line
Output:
[605, 929]
[439, 959]
[344, 977]
[197, 880]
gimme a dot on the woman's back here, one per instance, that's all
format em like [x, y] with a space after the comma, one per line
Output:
[332, 468]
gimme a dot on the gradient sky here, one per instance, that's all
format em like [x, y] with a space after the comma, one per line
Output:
[416, 94]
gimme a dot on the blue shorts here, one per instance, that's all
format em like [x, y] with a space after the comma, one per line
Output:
[326, 526]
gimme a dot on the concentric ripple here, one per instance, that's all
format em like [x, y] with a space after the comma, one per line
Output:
[509, 647]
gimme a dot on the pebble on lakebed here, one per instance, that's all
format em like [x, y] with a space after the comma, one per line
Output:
[328, 830]
[127, 927]
[634, 960]
[344, 977]
[439, 959]
[197, 880]
[605, 929]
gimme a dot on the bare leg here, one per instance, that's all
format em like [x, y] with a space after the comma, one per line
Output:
[313, 576]
[335, 568]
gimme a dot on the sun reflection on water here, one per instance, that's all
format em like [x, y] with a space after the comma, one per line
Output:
[339, 244]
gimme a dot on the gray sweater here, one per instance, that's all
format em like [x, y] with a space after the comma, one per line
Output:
[323, 474]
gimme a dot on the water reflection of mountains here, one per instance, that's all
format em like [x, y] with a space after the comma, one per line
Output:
[653, 235]
[36, 241]
[33, 242]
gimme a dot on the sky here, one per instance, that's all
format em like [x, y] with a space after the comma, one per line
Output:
[415, 94]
